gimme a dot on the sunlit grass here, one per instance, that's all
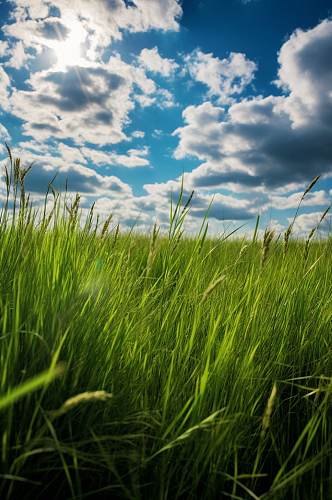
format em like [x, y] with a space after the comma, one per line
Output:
[217, 355]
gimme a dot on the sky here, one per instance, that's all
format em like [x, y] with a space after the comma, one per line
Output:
[123, 100]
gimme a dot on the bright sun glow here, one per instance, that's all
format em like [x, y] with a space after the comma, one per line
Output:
[69, 51]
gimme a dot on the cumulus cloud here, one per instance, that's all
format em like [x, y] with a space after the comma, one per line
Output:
[85, 104]
[79, 96]
[152, 61]
[313, 199]
[223, 77]
[37, 22]
[306, 73]
[270, 142]
[77, 177]
[306, 222]
[201, 135]
[224, 207]
[265, 148]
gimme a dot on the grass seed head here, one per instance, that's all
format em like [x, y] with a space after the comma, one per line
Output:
[243, 251]
[106, 225]
[213, 285]
[267, 240]
[269, 408]
[310, 186]
[287, 235]
[152, 249]
[84, 397]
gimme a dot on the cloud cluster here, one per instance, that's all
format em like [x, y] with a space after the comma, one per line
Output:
[306, 222]
[75, 176]
[79, 101]
[224, 207]
[38, 21]
[81, 95]
[267, 143]
[85, 104]
[86, 155]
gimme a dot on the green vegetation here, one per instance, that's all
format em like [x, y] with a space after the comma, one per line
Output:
[160, 367]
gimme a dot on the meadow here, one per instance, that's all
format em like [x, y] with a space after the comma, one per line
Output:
[160, 366]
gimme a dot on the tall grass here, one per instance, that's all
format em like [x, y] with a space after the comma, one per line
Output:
[160, 367]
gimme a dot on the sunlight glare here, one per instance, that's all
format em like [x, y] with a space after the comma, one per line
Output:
[69, 51]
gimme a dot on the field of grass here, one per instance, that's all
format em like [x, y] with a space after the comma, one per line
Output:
[161, 367]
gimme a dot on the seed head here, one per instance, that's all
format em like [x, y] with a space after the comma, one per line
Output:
[212, 287]
[269, 408]
[84, 397]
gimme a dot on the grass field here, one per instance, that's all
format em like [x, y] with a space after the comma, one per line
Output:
[161, 367]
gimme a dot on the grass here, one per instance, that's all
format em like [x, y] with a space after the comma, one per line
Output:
[161, 367]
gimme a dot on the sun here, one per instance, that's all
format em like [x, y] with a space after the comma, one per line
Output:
[69, 52]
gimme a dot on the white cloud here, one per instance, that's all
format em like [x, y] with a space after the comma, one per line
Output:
[264, 147]
[152, 61]
[70, 154]
[201, 135]
[313, 199]
[306, 222]
[271, 142]
[165, 99]
[224, 207]
[88, 100]
[145, 100]
[3, 48]
[4, 89]
[157, 133]
[139, 152]
[160, 97]
[223, 77]
[138, 134]
[306, 72]
[103, 20]
[85, 104]
[35, 147]
[134, 158]
[129, 161]
[160, 14]
[78, 177]
[19, 56]
[4, 134]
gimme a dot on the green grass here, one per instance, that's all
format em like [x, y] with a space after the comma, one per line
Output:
[218, 359]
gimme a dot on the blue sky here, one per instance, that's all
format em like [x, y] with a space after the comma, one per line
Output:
[121, 98]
